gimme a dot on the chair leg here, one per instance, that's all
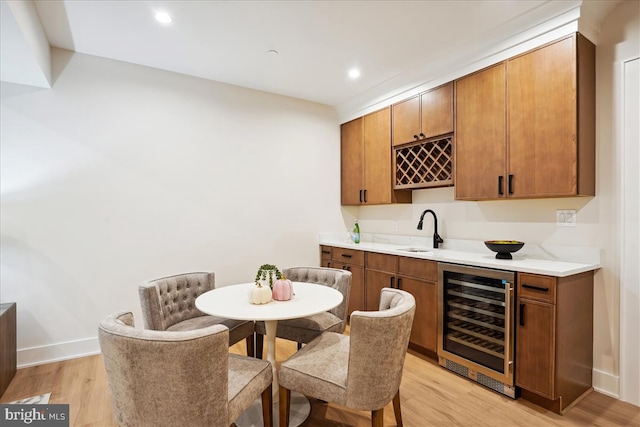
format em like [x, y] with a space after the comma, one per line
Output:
[285, 405]
[267, 407]
[396, 409]
[377, 418]
[250, 350]
[259, 346]
[299, 345]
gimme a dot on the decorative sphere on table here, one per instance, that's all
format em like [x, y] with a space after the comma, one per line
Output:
[282, 289]
[260, 294]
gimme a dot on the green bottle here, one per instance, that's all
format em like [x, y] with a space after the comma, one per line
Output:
[356, 233]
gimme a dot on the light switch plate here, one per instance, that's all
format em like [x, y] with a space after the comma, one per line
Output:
[566, 217]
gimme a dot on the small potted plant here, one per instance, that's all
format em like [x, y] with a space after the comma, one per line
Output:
[267, 274]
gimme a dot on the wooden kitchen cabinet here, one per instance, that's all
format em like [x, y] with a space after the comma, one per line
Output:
[419, 278]
[416, 276]
[365, 162]
[525, 128]
[480, 150]
[423, 116]
[325, 256]
[554, 339]
[350, 260]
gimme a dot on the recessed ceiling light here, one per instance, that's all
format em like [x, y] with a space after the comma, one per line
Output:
[354, 73]
[163, 17]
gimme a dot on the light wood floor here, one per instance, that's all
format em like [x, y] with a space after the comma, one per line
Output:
[430, 396]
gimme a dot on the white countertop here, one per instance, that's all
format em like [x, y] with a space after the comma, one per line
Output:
[558, 261]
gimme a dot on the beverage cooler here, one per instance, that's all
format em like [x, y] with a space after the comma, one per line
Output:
[476, 324]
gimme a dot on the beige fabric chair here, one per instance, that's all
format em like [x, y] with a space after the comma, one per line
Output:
[362, 370]
[305, 329]
[161, 378]
[168, 304]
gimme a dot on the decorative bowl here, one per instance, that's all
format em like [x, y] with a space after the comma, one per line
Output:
[504, 248]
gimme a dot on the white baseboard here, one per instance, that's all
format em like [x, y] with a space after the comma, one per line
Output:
[56, 352]
[606, 383]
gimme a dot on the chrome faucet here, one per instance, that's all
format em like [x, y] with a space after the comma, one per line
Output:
[436, 237]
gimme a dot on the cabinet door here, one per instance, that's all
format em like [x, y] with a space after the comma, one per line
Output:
[437, 111]
[424, 332]
[543, 121]
[377, 157]
[374, 282]
[535, 347]
[351, 158]
[356, 295]
[480, 134]
[406, 121]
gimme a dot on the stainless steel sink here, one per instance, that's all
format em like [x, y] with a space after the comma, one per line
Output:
[415, 249]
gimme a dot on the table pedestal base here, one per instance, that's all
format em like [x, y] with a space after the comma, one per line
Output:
[300, 410]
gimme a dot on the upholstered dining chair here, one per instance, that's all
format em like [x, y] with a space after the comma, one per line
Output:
[168, 304]
[362, 370]
[165, 378]
[305, 329]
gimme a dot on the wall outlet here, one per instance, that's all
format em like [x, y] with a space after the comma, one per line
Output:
[566, 217]
[394, 226]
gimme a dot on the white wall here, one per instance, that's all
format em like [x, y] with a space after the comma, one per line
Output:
[598, 218]
[617, 140]
[122, 173]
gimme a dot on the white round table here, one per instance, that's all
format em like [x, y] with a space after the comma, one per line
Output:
[232, 302]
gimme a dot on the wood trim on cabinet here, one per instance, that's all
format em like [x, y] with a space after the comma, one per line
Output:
[419, 268]
[382, 262]
[586, 104]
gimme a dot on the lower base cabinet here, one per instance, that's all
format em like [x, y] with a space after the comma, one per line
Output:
[554, 339]
[553, 330]
[416, 276]
[349, 260]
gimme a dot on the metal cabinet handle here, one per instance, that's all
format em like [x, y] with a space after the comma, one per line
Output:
[521, 314]
[399, 282]
[360, 196]
[391, 280]
[421, 135]
[345, 255]
[500, 179]
[510, 184]
[415, 136]
[365, 196]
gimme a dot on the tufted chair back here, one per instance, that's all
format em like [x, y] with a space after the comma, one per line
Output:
[337, 279]
[171, 300]
[167, 378]
[305, 329]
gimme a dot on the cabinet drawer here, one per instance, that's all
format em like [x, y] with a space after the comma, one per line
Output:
[325, 252]
[382, 262]
[533, 286]
[352, 256]
[420, 268]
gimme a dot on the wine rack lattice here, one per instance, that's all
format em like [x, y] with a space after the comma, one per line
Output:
[427, 164]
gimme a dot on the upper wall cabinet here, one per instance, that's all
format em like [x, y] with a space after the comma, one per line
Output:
[365, 162]
[424, 116]
[525, 128]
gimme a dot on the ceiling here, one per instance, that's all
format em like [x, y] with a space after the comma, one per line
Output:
[393, 43]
